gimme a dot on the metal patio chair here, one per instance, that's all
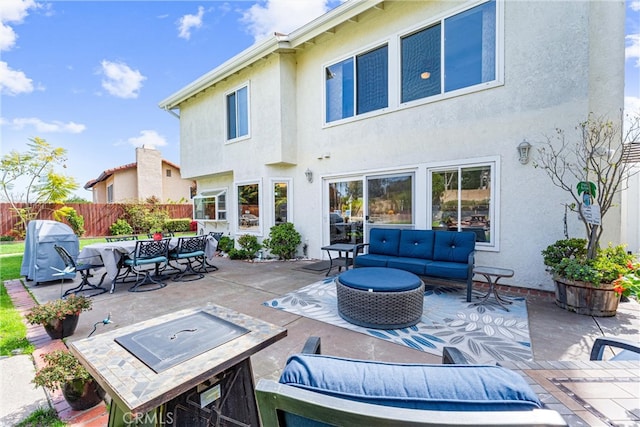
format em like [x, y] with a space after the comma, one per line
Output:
[190, 250]
[85, 272]
[146, 253]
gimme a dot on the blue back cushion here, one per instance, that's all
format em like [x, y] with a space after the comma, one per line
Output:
[384, 241]
[416, 386]
[416, 244]
[453, 246]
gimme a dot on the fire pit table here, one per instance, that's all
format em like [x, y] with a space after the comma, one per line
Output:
[380, 297]
[188, 368]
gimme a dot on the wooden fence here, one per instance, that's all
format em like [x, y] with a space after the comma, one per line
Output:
[97, 217]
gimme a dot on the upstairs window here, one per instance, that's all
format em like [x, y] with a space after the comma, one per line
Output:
[238, 113]
[457, 52]
[357, 85]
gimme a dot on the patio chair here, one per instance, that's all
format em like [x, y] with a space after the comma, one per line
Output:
[216, 235]
[316, 390]
[85, 272]
[148, 252]
[120, 238]
[627, 350]
[189, 250]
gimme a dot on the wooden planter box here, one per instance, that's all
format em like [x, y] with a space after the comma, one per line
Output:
[585, 298]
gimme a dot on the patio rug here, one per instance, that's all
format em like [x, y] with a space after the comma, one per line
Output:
[484, 333]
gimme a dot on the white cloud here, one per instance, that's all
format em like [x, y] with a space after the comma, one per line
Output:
[13, 82]
[187, 22]
[634, 5]
[45, 127]
[12, 11]
[148, 139]
[120, 80]
[281, 16]
[632, 48]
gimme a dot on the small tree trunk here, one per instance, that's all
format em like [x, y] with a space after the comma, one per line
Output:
[592, 248]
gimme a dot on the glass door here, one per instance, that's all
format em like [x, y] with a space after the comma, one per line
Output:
[345, 212]
[390, 201]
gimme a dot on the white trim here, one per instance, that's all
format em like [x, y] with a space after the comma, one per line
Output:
[272, 199]
[225, 97]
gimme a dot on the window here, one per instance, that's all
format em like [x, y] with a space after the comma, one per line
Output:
[110, 193]
[357, 85]
[210, 206]
[238, 113]
[390, 199]
[462, 200]
[281, 202]
[248, 207]
[168, 173]
[469, 56]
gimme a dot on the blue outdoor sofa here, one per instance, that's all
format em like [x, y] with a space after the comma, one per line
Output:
[441, 254]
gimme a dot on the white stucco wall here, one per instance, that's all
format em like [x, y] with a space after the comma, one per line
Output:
[561, 61]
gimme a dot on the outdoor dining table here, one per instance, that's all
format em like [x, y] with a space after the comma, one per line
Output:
[110, 254]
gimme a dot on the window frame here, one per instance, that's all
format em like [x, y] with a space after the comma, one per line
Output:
[228, 138]
[221, 214]
[354, 87]
[492, 162]
[261, 217]
[272, 202]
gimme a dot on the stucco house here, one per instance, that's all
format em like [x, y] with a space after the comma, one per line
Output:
[404, 114]
[149, 176]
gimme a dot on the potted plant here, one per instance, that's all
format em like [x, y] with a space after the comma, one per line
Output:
[590, 286]
[593, 170]
[59, 317]
[63, 371]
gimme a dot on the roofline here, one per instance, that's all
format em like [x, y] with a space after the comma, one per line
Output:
[108, 172]
[322, 24]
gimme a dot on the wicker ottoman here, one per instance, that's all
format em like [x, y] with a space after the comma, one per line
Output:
[380, 298]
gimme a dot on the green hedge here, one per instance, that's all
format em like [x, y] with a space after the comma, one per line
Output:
[179, 224]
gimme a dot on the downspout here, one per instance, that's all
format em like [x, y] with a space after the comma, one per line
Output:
[173, 113]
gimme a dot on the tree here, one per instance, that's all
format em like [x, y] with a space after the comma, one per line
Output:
[598, 156]
[33, 171]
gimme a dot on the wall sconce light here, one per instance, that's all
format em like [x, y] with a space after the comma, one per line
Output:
[309, 175]
[523, 151]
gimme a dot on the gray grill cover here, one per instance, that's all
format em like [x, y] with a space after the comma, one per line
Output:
[39, 253]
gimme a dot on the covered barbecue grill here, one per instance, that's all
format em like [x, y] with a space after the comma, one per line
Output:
[41, 262]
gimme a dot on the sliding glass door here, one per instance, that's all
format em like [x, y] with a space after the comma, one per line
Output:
[345, 211]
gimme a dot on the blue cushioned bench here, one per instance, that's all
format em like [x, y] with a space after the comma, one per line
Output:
[441, 254]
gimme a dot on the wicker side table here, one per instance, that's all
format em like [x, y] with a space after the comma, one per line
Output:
[368, 298]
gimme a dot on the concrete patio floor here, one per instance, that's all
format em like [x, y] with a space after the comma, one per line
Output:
[243, 286]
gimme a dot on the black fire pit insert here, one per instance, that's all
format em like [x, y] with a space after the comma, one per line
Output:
[163, 346]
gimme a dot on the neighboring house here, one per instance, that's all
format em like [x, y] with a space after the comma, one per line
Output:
[404, 114]
[149, 176]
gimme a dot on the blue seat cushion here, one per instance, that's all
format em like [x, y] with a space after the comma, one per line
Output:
[371, 260]
[453, 246]
[380, 279]
[414, 265]
[416, 244]
[142, 261]
[447, 270]
[186, 255]
[416, 386]
[384, 241]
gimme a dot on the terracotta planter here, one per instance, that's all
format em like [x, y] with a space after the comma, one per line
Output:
[59, 329]
[82, 395]
[585, 298]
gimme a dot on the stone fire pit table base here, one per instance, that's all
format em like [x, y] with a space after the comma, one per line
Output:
[380, 298]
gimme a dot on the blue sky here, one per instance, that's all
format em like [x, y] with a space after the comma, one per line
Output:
[88, 75]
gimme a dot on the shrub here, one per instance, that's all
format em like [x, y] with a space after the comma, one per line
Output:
[120, 227]
[283, 240]
[249, 245]
[226, 244]
[7, 238]
[71, 215]
[178, 224]
[61, 367]
[562, 249]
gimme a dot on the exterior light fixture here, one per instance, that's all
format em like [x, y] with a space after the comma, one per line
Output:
[309, 175]
[425, 75]
[523, 151]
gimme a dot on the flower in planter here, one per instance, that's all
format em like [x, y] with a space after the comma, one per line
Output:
[58, 309]
[61, 367]
[63, 371]
[629, 284]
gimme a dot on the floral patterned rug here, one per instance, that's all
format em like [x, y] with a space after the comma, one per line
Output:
[485, 333]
